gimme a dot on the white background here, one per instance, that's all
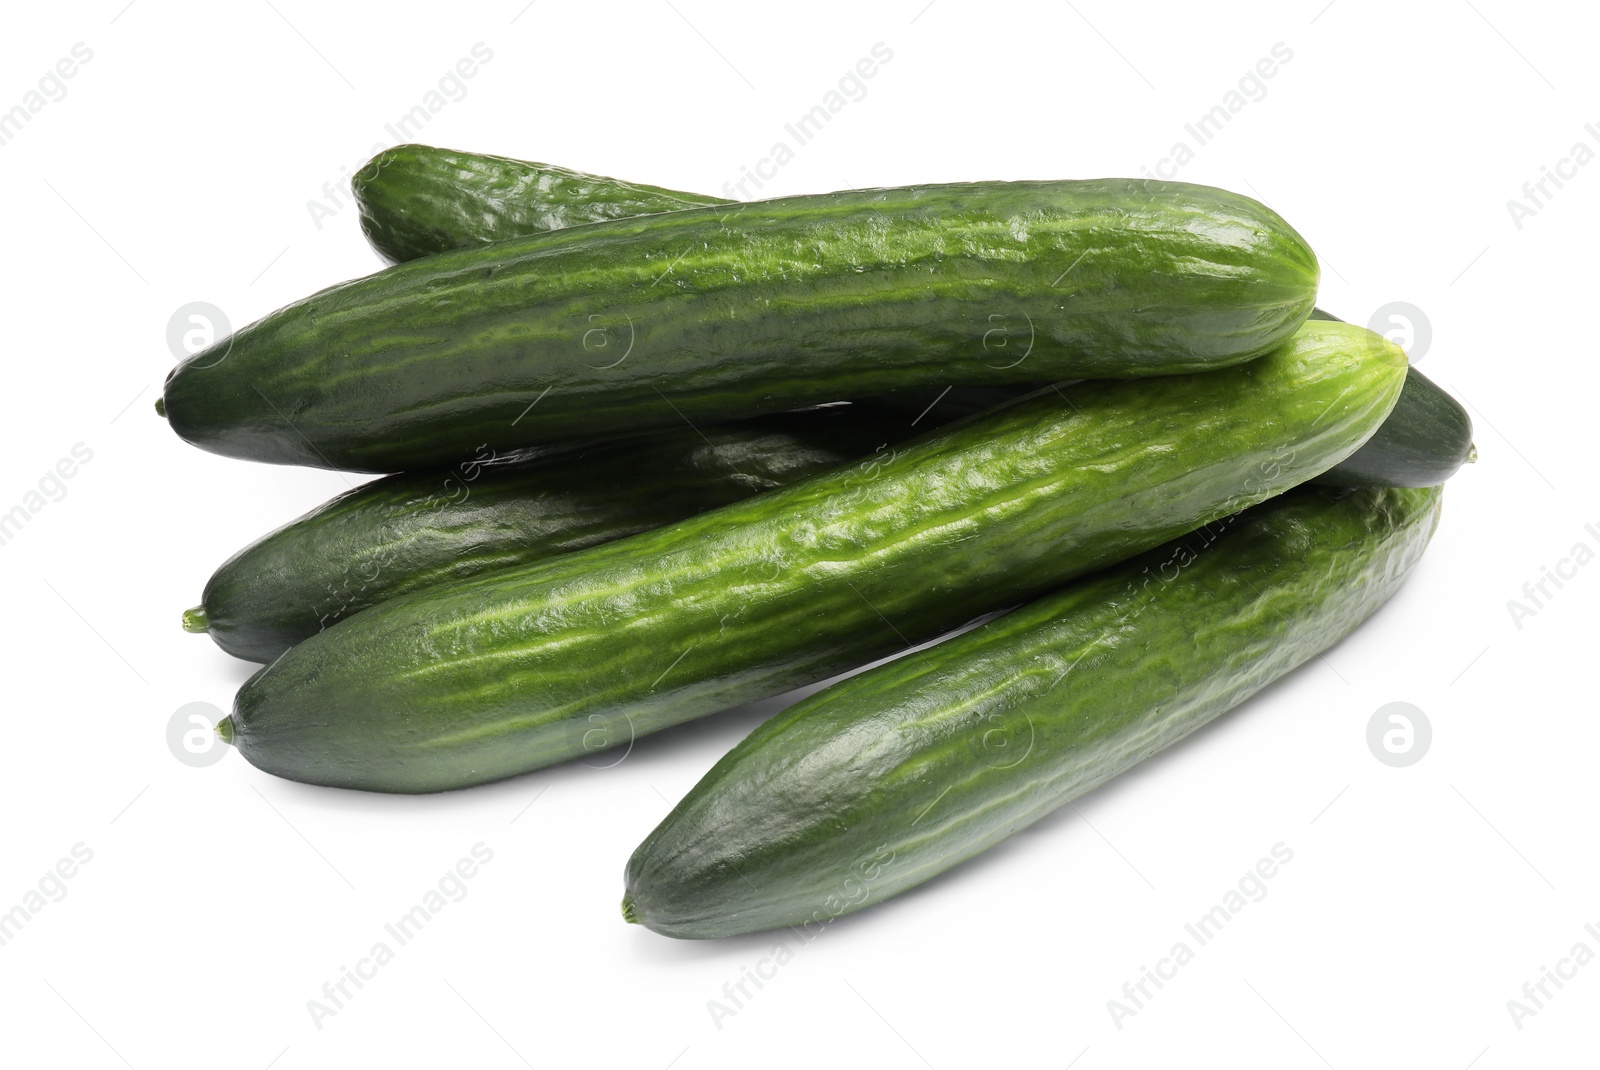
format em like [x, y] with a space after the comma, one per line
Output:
[179, 166]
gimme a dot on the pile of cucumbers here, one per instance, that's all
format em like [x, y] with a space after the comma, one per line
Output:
[647, 456]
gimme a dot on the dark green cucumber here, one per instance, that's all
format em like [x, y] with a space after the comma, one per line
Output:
[716, 313]
[525, 667]
[404, 533]
[422, 200]
[948, 402]
[1425, 440]
[416, 200]
[879, 782]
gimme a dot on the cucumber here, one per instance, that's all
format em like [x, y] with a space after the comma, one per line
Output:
[715, 313]
[436, 199]
[947, 402]
[1425, 440]
[524, 667]
[416, 200]
[407, 532]
[880, 782]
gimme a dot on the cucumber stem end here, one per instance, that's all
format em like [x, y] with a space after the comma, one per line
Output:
[194, 620]
[161, 407]
[225, 729]
[629, 915]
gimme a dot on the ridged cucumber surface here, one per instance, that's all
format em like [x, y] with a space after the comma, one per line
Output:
[879, 782]
[416, 200]
[716, 313]
[525, 667]
[427, 200]
[404, 533]
[1425, 440]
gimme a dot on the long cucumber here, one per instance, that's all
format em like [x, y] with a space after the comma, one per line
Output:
[884, 780]
[416, 200]
[713, 313]
[525, 667]
[409, 532]
[1425, 440]
[420, 200]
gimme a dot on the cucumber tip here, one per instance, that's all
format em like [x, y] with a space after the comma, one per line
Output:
[629, 915]
[225, 729]
[161, 407]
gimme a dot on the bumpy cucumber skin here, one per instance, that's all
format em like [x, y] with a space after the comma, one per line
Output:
[522, 668]
[416, 200]
[716, 313]
[1425, 440]
[882, 781]
[408, 532]
[436, 199]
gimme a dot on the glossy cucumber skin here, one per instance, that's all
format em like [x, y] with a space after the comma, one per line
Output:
[526, 667]
[948, 402]
[463, 199]
[408, 532]
[715, 313]
[1425, 440]
[879, 782]
[416, 200]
